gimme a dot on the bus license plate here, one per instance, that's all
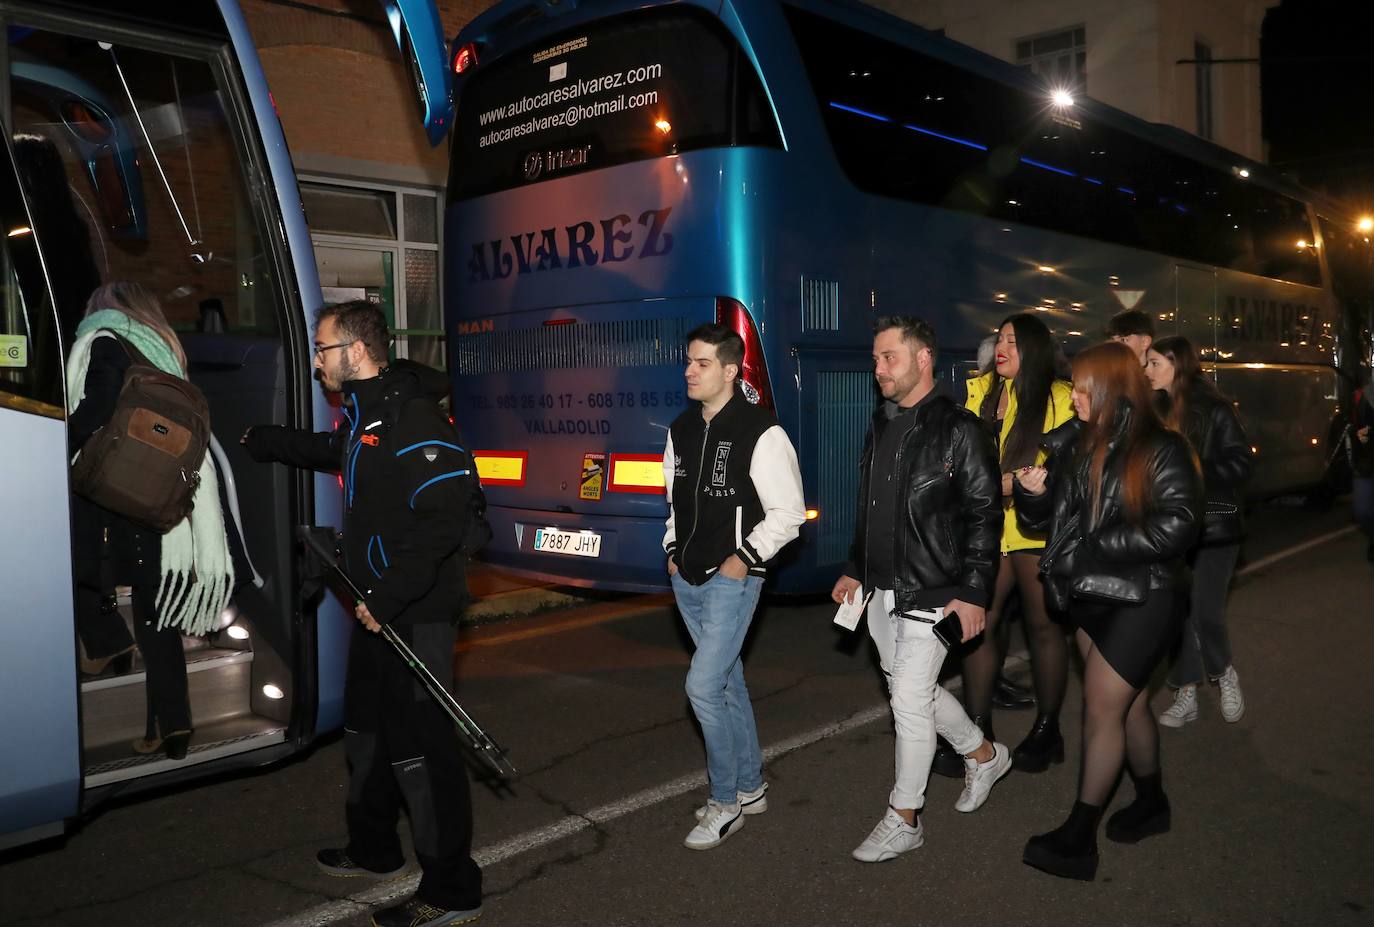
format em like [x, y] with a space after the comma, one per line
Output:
[573, 543]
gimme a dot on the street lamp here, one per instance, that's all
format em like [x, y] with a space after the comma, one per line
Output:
[1061, 98]
[1365, 225]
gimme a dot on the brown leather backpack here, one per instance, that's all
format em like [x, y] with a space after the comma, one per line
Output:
[145, 462]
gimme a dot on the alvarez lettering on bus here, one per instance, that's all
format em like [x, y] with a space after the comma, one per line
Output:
[568, 426]
[572, 246]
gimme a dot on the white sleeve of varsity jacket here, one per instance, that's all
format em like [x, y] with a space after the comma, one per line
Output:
[669, 464]
[777, 481]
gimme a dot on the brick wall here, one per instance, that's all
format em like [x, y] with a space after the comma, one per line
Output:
[338, 80]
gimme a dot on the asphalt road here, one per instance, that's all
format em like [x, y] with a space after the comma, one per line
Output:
[1273, 814]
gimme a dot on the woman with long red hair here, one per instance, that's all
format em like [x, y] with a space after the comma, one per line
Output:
[1121, 499]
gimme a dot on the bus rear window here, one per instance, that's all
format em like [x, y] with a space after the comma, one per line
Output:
[639, 86]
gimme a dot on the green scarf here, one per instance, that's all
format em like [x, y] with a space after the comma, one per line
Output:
[197, 571]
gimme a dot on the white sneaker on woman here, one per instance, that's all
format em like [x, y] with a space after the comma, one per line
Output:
[891, 838]
[1184, 708]
[1232, 702]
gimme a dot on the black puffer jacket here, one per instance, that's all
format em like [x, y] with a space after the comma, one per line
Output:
[1173, 511]
[407, 484]
[949, 524]
[1215, 431]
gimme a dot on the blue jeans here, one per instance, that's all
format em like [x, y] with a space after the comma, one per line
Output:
[717, 614]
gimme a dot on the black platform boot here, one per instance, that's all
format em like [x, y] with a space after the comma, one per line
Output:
[1069, 851]
[1042, 746]
[1149, 814]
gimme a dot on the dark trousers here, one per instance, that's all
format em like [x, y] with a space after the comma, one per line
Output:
[401, 746]
[1205, 645]
[133, 555]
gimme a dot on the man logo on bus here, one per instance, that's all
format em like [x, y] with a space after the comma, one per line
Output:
[718, 468]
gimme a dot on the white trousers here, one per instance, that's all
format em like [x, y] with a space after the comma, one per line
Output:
[911, 657]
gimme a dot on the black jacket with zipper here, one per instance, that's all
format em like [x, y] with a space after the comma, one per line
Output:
[406, 483]
[949, 516]
[1168, 527]
[1215, 431]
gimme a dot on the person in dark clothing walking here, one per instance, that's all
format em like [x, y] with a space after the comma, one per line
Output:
[734, 501]
[407, 485]
[1209, 421]
[123, 317]
[1361, 438]
[925, 546]
[1121, 499]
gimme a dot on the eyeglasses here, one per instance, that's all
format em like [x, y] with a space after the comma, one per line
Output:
[319, 351]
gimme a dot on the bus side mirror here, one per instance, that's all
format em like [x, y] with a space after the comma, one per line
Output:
[419, 35]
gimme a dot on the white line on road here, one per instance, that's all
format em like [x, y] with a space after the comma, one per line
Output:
[1287, 552]
[335, 911]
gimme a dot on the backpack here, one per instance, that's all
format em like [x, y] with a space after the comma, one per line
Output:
[144, 464]
[477, 531]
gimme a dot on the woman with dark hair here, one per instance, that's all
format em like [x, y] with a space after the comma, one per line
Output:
[1019, 399]
[1121, 499]
[1208, 420]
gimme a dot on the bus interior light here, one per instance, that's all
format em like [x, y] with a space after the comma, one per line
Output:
[237, 631]
[273, 691]
[464, 58]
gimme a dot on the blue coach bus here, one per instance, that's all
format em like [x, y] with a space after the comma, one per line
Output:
[143, 145]
[625, 171]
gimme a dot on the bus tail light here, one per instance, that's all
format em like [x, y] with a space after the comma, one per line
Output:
[636, 473]
[501, 468]
[465, 57]
[754, 376]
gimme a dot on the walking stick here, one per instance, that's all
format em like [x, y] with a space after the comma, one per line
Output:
[481, 743]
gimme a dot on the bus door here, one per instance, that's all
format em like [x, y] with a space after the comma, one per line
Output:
[837, 399]
[40, 777]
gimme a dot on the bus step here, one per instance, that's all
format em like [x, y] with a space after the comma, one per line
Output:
[117, 762]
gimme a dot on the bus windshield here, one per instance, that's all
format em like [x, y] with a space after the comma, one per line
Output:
[641, 86]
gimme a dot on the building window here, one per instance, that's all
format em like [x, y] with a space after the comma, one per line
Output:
[1202, 84]
[381, 243]
[1059, 57]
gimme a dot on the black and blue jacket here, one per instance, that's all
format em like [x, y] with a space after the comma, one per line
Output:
[407, 484]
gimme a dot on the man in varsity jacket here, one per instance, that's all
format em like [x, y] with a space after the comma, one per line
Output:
[734, 500]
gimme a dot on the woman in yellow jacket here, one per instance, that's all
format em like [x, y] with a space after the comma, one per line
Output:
[1019, 400]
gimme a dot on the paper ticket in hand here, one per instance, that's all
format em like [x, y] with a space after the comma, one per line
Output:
[847, 615]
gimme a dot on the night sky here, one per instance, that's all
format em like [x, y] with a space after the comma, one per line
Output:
[1318, 112]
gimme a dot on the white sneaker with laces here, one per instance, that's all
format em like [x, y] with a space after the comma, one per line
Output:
[755, 802]
[1183, 710]
[979, 778]
[890, 839]
[718, 823]
[1232, 702]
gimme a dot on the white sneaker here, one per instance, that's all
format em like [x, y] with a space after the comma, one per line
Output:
[1183, 710]
[755, 802]
[1232, 702]
[890, 839]
[979, 778]
[719, 822]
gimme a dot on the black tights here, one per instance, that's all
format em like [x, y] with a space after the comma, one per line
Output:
[1117, 725]
[1048, 649]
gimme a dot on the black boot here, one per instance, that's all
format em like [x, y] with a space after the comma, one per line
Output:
[1042, 746]
[947, 760]
[1149, 814]
[1070, 851]
[1008, 695]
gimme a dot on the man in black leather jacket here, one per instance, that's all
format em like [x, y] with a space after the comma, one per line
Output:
[925, 545]
[407, 485]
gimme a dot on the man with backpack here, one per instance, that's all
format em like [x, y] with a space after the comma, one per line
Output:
[411, 515]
